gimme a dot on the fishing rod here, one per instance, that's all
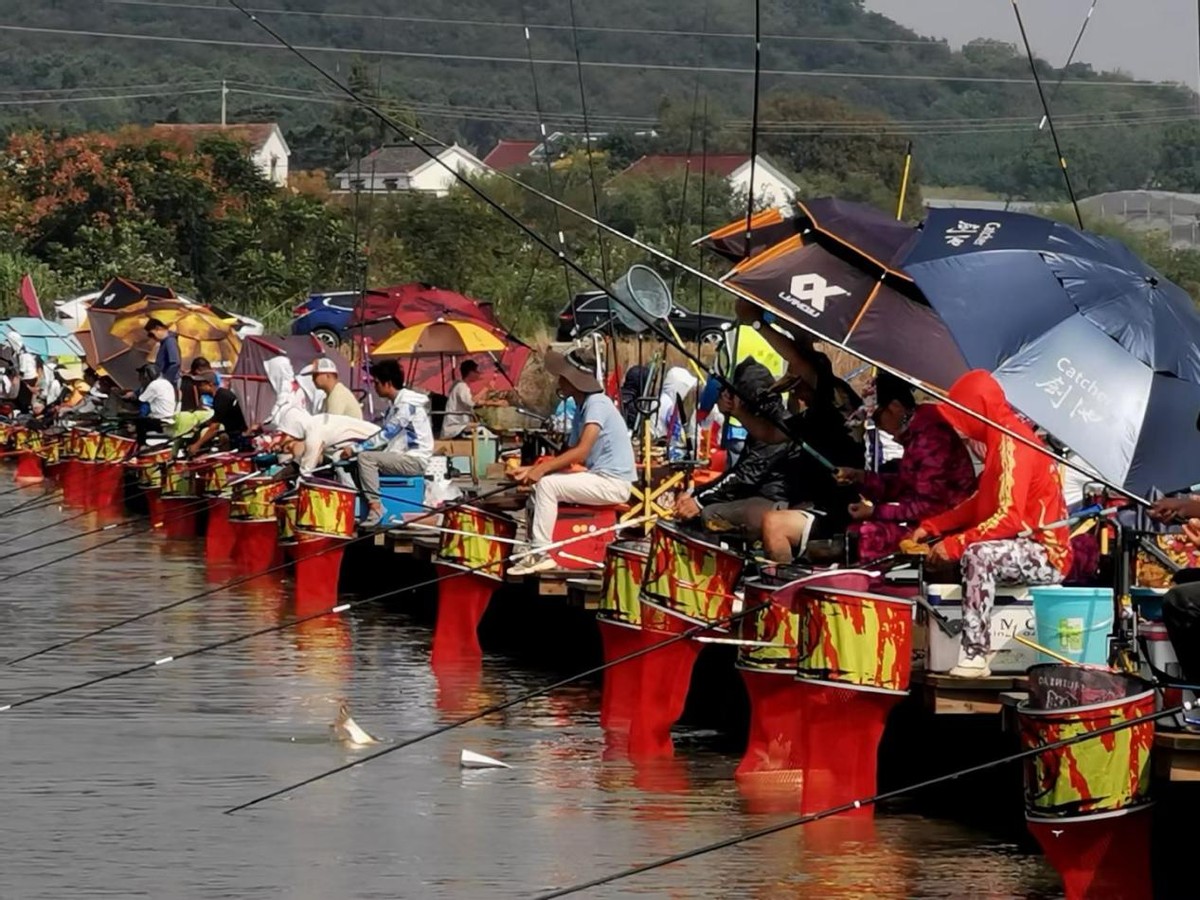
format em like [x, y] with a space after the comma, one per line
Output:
[298, 620]
[691, 631]
[240, 580]
[754, 121]
[33, 504]
[507, 704]
[1062, 77]
[863, 802]
[754, 403]
[1037, 79]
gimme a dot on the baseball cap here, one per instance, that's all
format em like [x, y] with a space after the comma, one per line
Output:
[319, 365]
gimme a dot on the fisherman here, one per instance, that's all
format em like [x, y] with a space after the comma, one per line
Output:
[461, 401]
[757, 483]
[678, 384]
[338, 401]
[819, 506]
[167, 357]
[227, 415]
[632, 389]
[935, 473]
[598, 441]
[403, 446]
[290, 393]
[1009, 531]
[312, 437]
[157, 400]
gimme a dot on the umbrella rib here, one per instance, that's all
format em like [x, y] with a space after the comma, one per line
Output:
[866, 306]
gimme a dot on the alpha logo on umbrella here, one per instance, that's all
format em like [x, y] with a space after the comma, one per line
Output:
[809, 293]
[969, 232]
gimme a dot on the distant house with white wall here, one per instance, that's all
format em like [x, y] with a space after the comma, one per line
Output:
[771, 186]
[409, 168]
[268, 149]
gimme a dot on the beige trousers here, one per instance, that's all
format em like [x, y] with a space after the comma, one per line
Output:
[582, 488]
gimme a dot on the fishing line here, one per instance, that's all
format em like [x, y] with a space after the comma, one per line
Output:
[507, 704]
[35, 503]
[726, 384]
[861, 803]
[687, 170]
[1087, 20]
[236, 582]
[1037, 78]
[299, 620]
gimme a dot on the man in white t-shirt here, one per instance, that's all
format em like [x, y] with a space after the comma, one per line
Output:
[315, 436]
[460, 404]
[158, 402]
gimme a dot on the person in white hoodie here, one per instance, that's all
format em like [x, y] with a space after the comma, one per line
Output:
[404, 446]
[289, 390]
[313, 437]
[678, 384]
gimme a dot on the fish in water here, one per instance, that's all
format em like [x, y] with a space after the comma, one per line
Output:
[346, 730]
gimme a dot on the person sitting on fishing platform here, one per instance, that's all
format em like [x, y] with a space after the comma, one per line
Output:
[935, 473]
[227, 415]
[757, 483]
[1013, 529]
[818, 505]
[599, 440]
[157, 399]
[338, 400]
[403, 446]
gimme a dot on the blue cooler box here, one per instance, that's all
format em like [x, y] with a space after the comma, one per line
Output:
[401, 495]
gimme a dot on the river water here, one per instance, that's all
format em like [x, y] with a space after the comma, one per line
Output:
[118, 790]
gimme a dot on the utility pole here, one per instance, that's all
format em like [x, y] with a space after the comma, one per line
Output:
[224, 94]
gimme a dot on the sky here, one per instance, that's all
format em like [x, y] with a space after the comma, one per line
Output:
[1153, 39]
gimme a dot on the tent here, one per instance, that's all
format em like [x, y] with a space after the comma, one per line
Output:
[249, 379]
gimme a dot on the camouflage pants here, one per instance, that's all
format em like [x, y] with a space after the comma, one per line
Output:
[986, 564]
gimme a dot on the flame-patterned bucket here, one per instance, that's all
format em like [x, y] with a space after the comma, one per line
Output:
[688, 578]
[115, 448]
[253, 500]
[6, 434]
[285, 518]
[854, 639]
[26, 439]
[179, 479]
[51, 449]
[624, 568]
[214, 478]
[88, 445]
[68, 446]
[1105, 776]
[772, 633]
[149, 467]
[326, 508]
[477, 539]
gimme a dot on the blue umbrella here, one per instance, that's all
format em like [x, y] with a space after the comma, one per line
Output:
[1087, 340]
[48, 340]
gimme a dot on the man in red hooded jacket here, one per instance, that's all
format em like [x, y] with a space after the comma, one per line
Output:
[999, 534]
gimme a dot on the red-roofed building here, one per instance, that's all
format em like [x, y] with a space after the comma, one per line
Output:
[771, 186]
[268, 149]
[509, 155]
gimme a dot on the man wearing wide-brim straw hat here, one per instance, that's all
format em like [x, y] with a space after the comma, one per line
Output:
[599, 441]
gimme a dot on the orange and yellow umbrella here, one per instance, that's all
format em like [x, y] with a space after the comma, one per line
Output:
[443, 337]
[122, 344]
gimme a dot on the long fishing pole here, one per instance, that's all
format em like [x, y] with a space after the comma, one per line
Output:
[38, 502]
[861, 803]
[754, 121]
[240, 580]
[753, 402]
[1062, 77]
[507, 704]
[1037, 79]
[299, 620]
[691, 631]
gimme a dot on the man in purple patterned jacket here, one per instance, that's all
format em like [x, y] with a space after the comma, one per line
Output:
[935, 473]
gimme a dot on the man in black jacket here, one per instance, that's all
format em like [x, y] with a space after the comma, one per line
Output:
[757, 483]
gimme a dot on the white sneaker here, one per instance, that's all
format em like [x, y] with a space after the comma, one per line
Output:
[971, 666]
[532, 565]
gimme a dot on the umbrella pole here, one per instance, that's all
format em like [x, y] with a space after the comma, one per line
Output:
[908, 157]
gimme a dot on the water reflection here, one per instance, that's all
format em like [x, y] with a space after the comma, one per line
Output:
[127, 779]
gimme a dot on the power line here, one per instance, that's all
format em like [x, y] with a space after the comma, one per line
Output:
[139, 96]
[108, 87]
[477, 23]
[597, 64]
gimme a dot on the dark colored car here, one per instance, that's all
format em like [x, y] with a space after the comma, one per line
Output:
[590, 311]
[326, 315]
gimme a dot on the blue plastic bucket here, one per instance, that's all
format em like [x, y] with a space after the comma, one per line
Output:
[1074, 622]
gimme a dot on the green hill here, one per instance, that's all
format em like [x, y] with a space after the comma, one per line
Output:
[462, 67]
